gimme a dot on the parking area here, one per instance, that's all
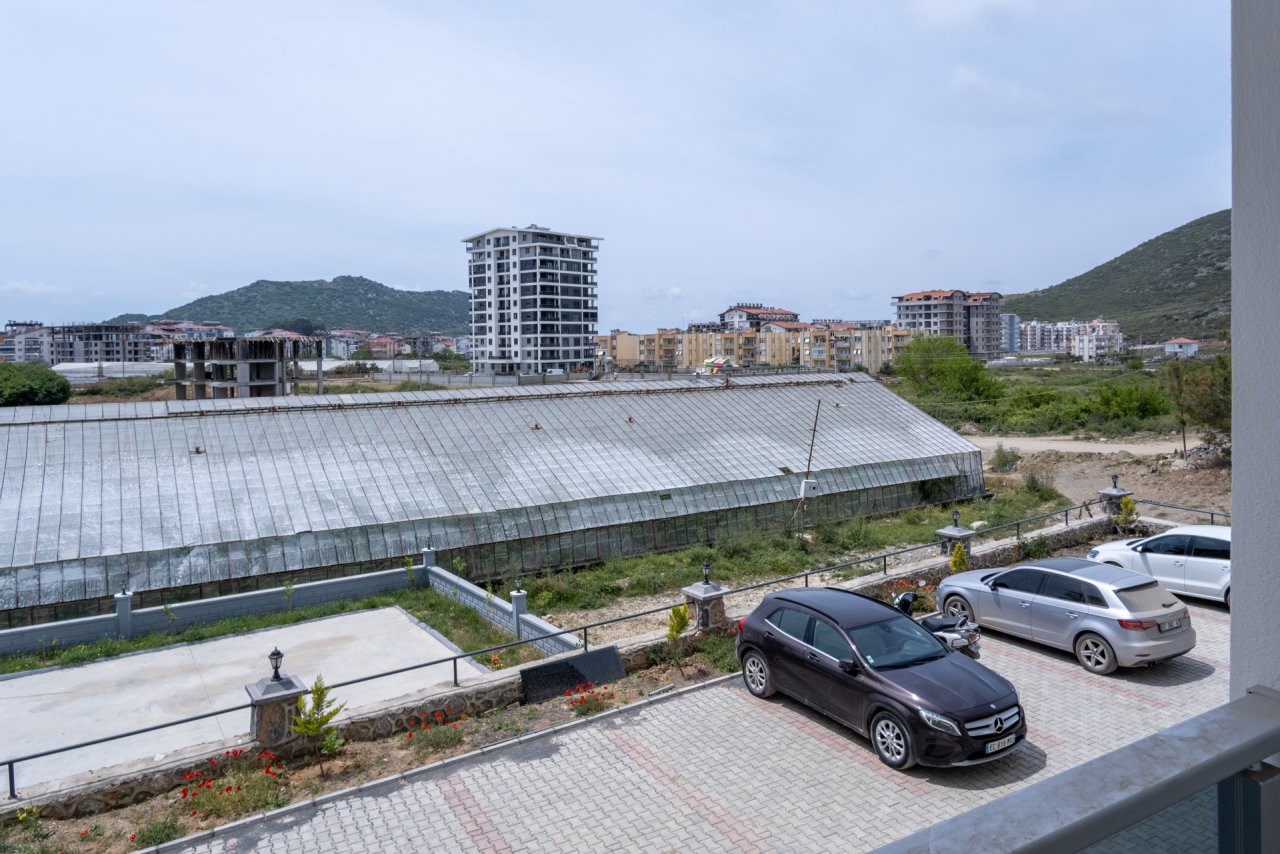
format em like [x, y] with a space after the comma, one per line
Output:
[716, 769]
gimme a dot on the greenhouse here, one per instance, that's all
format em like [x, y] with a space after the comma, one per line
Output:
[181, 499]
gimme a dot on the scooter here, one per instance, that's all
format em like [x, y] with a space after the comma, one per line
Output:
[955, 632]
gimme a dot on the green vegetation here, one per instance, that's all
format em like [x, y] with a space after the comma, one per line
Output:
[959, 559]
[941, 378]
[1201, 395]
[1176, 284]
[316, 711]
[456, 621]
[345, 301]
[761, 555]
[31, 384]
[159, 832]
[120, 387]
[1004, 459]
[719, 648]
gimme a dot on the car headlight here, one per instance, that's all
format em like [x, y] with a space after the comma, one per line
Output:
[939, 722]
[1093, 555]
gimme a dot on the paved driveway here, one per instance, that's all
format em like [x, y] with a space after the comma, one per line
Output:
[715, 769]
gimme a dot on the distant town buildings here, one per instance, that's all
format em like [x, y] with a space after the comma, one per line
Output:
[1181, 348]
[533, 300]
[973, 319]
[1091, 341]
[823, 344]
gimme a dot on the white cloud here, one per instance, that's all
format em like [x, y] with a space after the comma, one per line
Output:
[28, 288]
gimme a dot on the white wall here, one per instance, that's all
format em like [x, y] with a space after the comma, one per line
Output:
[1255, 274]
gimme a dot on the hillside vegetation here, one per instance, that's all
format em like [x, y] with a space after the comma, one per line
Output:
[1177, 284]
[345, 301]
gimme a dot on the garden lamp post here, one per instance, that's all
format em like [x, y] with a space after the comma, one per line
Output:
[275, 658]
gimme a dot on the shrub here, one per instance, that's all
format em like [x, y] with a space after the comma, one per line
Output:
[1127, 519]
[32, 384]
[313, 717]
[159, 832]
[959, 559]
[1040, 486]
[720, 650]
[1035, 549]
[587, 699]
[1004, 459]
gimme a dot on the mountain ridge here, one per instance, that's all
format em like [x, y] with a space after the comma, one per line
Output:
[1177, 283]
[352, 301]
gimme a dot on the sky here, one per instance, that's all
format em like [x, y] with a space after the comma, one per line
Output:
[821, 157]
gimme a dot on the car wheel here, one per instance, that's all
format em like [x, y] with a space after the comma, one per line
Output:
[755, 672]
[957, 606]
[1095, 654]
[892, 741]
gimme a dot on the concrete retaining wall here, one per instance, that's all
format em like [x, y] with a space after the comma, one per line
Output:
[126, 623]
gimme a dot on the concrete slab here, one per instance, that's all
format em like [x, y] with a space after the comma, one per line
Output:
[56, 708]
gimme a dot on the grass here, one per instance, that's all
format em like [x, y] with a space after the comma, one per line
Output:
[755, 556]
[455, 621]
[159, 832]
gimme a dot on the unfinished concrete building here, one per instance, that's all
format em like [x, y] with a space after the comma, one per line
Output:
[221, 368]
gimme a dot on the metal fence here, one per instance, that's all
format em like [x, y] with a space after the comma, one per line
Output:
[883, 559]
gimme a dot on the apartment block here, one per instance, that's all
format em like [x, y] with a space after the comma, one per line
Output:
[533, 300]
[101, 342]
[753, 315]
[973, 319]
[1009, 332]
[25, 341]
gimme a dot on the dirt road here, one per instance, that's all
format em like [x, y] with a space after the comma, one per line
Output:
[1035, 444]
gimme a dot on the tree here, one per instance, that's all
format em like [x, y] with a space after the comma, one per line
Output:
[31, 384]
[312, 720]
[959, 559]
[940, 366]
[1174, 380]
[362, 353]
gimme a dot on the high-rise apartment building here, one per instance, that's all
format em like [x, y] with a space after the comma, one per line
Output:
[533, 300]
[973, 319]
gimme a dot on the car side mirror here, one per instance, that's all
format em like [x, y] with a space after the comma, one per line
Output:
[849, 666]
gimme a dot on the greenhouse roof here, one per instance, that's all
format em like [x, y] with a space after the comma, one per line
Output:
[160, 494]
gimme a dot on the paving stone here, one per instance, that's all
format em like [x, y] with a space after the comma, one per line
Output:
[717, 770]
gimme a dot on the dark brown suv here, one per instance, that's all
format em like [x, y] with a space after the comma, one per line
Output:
[872, 668]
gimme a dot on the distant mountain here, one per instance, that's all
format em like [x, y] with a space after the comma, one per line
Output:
[352, 301]
[1176, 284]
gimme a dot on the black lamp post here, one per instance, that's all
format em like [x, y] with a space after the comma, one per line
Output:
[955, 517]
[275, 658]
[706, 572]
[1115, 481]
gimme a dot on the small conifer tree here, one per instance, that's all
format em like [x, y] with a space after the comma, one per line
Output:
[312, 720]
[959, 559]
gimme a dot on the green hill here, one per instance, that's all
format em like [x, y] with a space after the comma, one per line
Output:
[346, 301]
[1176, 284]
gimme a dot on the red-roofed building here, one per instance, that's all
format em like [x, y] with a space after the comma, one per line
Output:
[1181, 348]
[751, 315]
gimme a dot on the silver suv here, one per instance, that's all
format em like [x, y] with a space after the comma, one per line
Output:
[1108, 616]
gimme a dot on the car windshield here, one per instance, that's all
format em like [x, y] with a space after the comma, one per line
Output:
[1146, 597]
[895, 642]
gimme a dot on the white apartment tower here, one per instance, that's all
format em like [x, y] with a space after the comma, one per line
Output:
[533, 300]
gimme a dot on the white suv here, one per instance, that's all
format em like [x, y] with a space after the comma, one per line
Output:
[1194, 560]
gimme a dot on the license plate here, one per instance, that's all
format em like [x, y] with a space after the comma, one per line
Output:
[1171, 625]
[993, 746]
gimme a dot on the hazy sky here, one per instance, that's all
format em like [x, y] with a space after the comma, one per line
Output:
[819, 156]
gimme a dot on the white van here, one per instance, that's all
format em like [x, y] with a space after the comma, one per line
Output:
[554, 372]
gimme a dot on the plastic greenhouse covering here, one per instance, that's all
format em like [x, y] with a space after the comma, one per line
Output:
[94, 498]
